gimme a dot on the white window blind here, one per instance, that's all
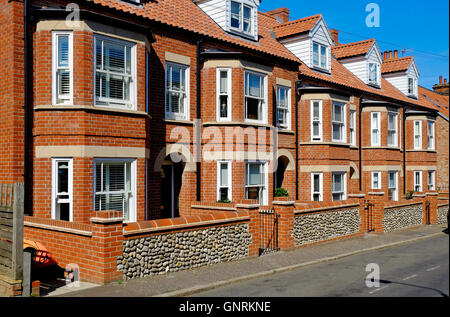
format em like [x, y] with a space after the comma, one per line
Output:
[255, 182]
[223, 94]
[352, 127]
[114, 80]
[430, 134]
[316, 120]
[338, 186]
[176, 91]
[113, 189]
[417, 134]
[316, 187]
[62, 68]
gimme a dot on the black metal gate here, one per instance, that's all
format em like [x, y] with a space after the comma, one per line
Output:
[427, 213]
[368, 206]
[268, 233]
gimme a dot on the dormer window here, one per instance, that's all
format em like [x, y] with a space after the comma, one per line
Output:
[411, 86]
[373, 73]
[320, 56]
[241, 17]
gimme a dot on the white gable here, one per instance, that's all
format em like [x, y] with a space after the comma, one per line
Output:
[400, 80]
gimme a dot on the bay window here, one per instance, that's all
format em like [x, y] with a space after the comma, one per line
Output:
[417, 181]
[338, 186]
[255, 97]
[430, 135]
[283, 107]
[224, 181]
[177, 91]
[338, 122]
[375, 128]
[316, 186]
[316, 120]
[256, 182]
[115, 75]
[431, 180]
[392, 129]
[392, 185]
[223, 81]
[62, 65]
[114, 185]
[352, 127]
[417, 134]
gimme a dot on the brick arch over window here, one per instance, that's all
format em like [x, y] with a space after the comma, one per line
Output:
[177, 150]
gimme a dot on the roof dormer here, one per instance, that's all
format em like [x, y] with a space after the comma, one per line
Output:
[402, 73]
[239, 17]
[309, 39]
[363, 59]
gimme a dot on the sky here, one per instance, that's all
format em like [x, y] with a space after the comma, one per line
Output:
[417, 28]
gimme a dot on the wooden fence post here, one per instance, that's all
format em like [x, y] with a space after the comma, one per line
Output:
[17, 248]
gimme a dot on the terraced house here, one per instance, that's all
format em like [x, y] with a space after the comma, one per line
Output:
[132, 119]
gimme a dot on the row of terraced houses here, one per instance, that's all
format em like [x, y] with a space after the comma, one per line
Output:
[135, 119]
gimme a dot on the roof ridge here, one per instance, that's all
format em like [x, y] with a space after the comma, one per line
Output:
[397, 59]
[299, 20]
[352, 44]
[267, 15]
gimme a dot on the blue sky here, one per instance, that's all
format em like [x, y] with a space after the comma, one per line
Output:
[419, 27]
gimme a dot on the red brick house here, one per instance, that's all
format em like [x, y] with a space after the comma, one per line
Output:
[156, 109]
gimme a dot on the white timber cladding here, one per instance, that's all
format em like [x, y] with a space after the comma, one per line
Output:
[400, 79]
[302, 46]
[220, 12]
[374, 56]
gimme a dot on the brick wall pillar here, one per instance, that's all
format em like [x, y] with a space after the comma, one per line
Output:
[430, 198]
[285, 209]
[378, 201]
[107, 237]
[253, 211]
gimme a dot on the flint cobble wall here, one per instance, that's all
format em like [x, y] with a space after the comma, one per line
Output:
[442, 214]
[403, 217]
[162, 253]
[316, 227]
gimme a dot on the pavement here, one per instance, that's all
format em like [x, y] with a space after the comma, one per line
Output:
[189, 282]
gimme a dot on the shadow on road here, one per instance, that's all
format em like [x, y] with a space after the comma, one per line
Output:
[418, 286]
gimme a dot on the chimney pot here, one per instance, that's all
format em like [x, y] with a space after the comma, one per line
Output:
[440, 79]
[395, 53]
[445, 80]
[390, 54]
[385, 55]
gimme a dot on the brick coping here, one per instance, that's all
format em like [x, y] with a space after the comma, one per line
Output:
[55, 225]
[403, 205]
[443, 205]
[311, 210]
[214, 207]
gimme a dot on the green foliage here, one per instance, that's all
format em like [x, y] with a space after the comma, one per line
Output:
[409, 195]
[225, 201]
[281, 192]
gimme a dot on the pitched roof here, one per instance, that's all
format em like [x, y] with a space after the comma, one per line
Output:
[186, 15]
[396, 65]
[352, 49]
[296, 27]
[435, 100]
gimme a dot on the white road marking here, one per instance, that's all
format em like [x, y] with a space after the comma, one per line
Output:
[378, 289]
[410, 277]
[433, 268]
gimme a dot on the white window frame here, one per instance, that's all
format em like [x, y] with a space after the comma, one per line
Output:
[375, 81]
[264, 191]
[186, 106]
[240, 29]
[320, 192]
[263, 99]
[319, 56]
[432, 185]
[112, 102]
[420, 181]
[344, 184]
[412, 91]
[133, 192]
[352, 127]
[287, 125]
[230, 182]
[378, 173]
[375, 129]
[343, 124]
[417, 136]
[395, 196]
[55, 162]
[316, 138]
[66, 99]
[395, 130]
[219, 94]
[430, 135]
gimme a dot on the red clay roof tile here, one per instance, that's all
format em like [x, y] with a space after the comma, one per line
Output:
[352, 49]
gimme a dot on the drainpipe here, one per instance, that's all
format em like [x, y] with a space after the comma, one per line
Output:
[297, 99]
[26, 101]
[404, 149]
[359, 144]
[199, 114]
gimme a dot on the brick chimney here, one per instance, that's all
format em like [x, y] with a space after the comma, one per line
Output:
[442, 87]
[281, 14]
[335, 36]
